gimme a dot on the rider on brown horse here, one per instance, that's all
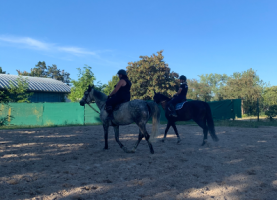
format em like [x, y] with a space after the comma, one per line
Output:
[179, 97]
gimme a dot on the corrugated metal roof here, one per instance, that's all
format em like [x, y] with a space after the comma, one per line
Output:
[35, 83]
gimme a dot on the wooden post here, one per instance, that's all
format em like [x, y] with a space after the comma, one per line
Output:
[258, 108]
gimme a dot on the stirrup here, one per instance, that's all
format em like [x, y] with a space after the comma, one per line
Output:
[173, 115]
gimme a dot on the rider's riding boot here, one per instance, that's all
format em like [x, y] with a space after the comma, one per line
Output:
[109, 110]
[172, 111]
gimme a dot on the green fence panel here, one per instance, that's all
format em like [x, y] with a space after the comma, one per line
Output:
[222, 109]
[237, 107]
[63, 114]
[25, 113]
[72, 113]
[92, 117]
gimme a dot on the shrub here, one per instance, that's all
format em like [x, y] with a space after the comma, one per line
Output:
[271, 112]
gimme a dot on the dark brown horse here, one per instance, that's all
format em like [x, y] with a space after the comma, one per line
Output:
[198, 111]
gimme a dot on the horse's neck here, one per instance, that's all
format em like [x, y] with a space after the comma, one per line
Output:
[163, 104]
[99, 102]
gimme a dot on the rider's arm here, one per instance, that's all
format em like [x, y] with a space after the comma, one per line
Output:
[179, 92]
[118, 85]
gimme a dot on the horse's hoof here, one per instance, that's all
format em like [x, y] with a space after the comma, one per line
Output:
[133, 150]
[204, 142]
[163, 140]
[105, 149]
[125, 150]
[179, 140]
[152, 151]
[215, 139]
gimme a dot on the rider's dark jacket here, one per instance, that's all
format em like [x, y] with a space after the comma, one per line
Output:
[121, 96]
[182, 96]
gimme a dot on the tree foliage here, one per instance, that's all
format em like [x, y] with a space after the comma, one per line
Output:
[41, 70]
[271, 112]
[215, 82]
[16, 92]
[198, 91]
[1, 71]
[110, 87]
[85, 78]
[149, 74]
[270, 96]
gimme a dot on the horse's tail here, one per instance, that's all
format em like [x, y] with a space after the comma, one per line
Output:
[210, 122]
[154, 112]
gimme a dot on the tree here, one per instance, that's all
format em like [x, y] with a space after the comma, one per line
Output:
[216, 82]
[247, 86]
[198, 91]
[110, 87]
[86, 78]
[149, 74]
[270, 96]
[41, 70]
[16, 92]
[1, 71]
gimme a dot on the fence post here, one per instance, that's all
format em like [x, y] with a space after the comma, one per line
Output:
[85, 114]
[258, 110]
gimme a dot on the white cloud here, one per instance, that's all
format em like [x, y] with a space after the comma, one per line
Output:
[76, 50]
[27, 42]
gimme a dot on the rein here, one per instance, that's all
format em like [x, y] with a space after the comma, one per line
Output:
[93, 108]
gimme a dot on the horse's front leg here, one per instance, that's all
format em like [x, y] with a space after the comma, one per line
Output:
[116, 133]
[106, 133]
[166, 130]
[176, 132]
[137, 143]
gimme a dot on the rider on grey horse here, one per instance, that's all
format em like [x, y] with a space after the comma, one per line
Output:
[179, 97]
[120, 94]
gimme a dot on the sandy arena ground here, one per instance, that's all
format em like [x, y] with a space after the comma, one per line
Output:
[69, 163]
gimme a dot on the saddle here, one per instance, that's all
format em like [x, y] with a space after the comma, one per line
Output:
[118, 106]
[179, 106]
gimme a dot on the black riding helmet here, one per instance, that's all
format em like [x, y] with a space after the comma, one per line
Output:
[122, 72]
[182, 77]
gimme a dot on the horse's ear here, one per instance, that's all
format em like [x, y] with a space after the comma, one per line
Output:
[92, 86]
[89, 87]
[155, 92]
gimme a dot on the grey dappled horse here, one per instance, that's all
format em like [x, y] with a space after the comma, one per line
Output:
[137, 111]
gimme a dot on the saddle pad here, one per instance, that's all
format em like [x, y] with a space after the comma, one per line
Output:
[179, 105]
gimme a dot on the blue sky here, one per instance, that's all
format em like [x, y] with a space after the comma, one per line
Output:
[197, 36]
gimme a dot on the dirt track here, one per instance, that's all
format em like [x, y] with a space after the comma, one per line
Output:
[69, 163]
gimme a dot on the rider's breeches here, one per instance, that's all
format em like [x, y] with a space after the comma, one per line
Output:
[175, 100]
[112, 102]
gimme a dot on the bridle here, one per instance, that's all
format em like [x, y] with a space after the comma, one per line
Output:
[86, 96]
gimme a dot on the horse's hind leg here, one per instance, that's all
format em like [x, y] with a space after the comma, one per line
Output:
[116, 133]
[140, 136]
[176, 132]
[203, 125]
[147, 136]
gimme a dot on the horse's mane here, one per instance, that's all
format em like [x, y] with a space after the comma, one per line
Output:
[163, 97]
[99, 95]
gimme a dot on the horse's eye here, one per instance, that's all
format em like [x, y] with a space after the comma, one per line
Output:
[86, 92]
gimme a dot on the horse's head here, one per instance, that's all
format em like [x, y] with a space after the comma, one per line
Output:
[158, 97]
[87, 98]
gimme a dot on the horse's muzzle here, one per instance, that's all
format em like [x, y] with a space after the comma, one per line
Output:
[82, 103]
